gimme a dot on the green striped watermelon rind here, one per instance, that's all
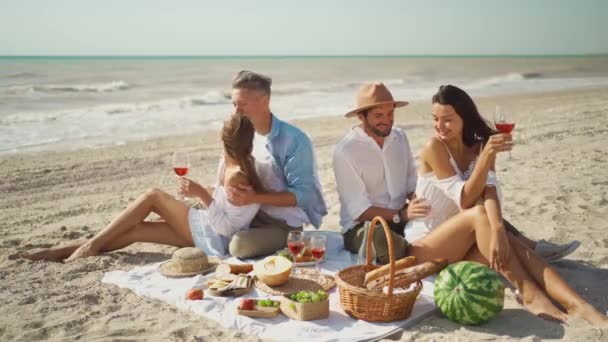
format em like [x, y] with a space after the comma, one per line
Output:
[479, 303]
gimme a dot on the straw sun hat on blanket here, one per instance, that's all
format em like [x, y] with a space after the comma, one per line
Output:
[188, 262]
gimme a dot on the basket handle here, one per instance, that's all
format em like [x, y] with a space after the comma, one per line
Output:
[391, 252]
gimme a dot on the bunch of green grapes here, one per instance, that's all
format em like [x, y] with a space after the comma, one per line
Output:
[309, 296]
[268, 303]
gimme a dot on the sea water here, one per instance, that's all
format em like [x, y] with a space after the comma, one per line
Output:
[75, 102]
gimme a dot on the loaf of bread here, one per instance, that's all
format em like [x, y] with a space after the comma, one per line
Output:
[234, 268]
[409, 275]
[385, 270]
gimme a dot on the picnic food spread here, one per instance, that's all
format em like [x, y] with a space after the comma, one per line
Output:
[365, 290]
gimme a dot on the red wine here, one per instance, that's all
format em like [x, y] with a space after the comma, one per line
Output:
[318, 253]
[295, 247]
[505, 127]
[181, 171]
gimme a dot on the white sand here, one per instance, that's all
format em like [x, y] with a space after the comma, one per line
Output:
[556, 188]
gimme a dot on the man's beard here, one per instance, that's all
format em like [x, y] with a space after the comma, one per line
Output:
[377, 131]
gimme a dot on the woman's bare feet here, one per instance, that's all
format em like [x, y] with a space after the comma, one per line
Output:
[86, 250]
[56, 254]
[587, 312]
[542, 307]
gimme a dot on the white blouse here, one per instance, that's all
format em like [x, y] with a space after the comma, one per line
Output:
[212, 228]
[444, 196]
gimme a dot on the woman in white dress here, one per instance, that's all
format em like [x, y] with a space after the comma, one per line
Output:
[209, 229]
[456, 171]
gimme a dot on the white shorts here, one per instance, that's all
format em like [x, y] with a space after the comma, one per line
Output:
[415, 230]
[203, 236]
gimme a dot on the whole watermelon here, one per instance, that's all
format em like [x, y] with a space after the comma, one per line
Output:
[469, 293]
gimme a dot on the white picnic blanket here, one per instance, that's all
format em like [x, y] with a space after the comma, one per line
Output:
[147, 281]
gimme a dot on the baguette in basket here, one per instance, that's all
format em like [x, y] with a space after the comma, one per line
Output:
[400, 265]
[406, 276]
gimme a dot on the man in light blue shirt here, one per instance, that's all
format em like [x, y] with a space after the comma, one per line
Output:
[285, 163]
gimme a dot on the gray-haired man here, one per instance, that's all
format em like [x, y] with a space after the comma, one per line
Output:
[286, 166]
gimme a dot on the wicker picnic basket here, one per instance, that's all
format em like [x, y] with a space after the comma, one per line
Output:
[374, 305]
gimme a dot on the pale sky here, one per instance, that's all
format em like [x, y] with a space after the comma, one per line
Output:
[303, 27]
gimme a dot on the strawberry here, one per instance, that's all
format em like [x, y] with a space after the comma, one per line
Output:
[247, 304]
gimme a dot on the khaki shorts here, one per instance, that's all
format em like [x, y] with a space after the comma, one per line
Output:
[353, 239]
[265, 236]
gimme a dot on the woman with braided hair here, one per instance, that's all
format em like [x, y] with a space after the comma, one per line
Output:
[209, 229]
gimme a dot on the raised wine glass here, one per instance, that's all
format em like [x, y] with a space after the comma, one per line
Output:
[503, 122]
[181, 166]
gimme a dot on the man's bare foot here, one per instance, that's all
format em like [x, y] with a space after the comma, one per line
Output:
[83, 251]
[542, 307]
[56, 254]
[587, 312]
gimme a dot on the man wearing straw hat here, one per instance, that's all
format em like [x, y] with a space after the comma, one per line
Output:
[376, 174]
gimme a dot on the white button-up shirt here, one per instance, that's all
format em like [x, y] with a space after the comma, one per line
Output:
[367, 175]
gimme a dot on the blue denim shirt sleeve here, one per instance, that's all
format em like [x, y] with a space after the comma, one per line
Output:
[293, 152]
[299, 170]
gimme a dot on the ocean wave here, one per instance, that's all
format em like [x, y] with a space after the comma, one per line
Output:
[71, 88]
[22, 75]
[29, 118]
[211, 97]
[312, 87]
[505, 78]
[329, 87]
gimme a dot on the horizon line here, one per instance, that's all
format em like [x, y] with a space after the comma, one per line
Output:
[185, 56]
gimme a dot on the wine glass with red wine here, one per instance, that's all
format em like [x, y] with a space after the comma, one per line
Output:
[295, 243]
[318, 244]
[181, 166]
[503, 122]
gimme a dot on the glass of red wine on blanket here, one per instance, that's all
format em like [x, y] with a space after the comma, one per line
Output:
[181, 166]
[295, 243]
[503, 123]
[318, 244]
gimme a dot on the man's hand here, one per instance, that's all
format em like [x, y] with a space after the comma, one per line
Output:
[418, 207]
[241, 195]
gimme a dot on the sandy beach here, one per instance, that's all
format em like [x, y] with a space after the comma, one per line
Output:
[556, 188]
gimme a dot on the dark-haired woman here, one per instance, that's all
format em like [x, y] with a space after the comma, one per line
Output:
[457, 177]
[209, 229]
